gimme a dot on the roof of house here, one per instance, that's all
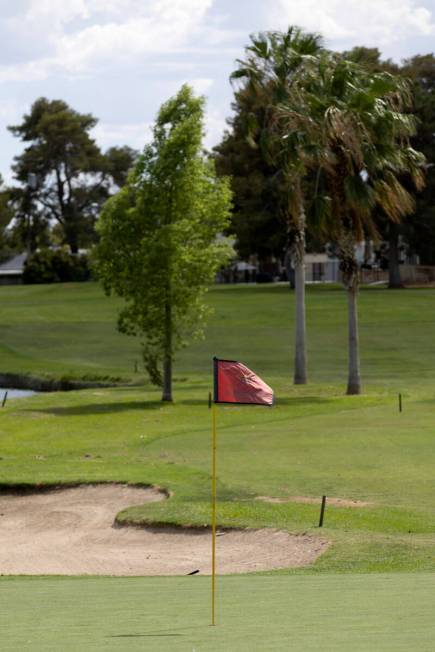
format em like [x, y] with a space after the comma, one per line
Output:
[14, 266]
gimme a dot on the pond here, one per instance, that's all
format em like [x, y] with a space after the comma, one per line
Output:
[15, 393]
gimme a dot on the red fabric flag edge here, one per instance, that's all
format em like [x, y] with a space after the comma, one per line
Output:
[216, 386]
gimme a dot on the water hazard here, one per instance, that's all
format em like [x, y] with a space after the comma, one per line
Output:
[15, 393]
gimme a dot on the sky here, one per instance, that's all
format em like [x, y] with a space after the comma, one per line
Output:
[120, 59]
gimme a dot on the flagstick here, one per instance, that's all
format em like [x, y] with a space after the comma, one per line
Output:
[213, 518]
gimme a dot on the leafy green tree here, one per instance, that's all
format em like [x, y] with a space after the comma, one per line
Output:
[258, 216]
[420, 228]
[159, 243]
[417, 231]
[72, 177]
[55, 266]
[273, 62]
[6, 215]
[30, 228]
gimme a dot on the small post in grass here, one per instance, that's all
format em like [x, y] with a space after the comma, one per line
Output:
[213, 517]
[4, 398]
[322, 511]
[400, 402]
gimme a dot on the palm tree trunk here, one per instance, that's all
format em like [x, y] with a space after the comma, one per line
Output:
[350, 277]
[289, 269]
[300, 371]
[354, 378]
[167, 358]
[394, 280]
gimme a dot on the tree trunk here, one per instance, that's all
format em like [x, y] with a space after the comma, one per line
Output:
[394, 280]
[300, 371]
[167, 358]
[167, 379]
[354, 378]
[289, 269]
[367, 251]
[350, 277]
[71, 237]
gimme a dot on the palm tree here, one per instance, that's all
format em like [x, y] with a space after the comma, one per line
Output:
[274, 61]
[359, 145]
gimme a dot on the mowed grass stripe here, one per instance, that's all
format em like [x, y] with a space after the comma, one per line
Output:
[71, 328]
[332, 612]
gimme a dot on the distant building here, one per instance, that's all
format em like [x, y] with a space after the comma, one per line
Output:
[320, 268]
[11, 272]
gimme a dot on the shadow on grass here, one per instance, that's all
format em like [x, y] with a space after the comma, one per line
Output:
[304, 400]
[291, 400]
[100, 408]
[113, 408]
[129, 406]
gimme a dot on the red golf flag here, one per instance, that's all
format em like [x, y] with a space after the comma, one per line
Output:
[235, 383]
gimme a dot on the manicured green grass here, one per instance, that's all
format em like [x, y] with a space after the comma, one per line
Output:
[359, 448]
[333, 612]
[315, 441]
[71, 330]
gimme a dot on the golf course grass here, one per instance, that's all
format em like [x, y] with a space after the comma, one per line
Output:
[388, 612]
[314, 442]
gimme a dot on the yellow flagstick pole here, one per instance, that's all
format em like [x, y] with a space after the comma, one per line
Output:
[213, 517]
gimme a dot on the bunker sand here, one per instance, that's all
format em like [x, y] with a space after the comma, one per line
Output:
[311, 500]
[71, 531]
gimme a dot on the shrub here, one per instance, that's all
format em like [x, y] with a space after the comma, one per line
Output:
[56, 266]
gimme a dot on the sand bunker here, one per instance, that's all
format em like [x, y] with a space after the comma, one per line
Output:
[72, 532]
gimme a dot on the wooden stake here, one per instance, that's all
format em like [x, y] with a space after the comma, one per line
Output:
[322, 511]
[4, 398]
[400, 402]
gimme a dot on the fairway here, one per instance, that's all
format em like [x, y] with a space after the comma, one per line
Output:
[70, 330]
[338, 613]
[371, 589]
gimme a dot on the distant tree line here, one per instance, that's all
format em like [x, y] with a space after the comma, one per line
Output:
[259, 197]
[322, 148]
[62, 179]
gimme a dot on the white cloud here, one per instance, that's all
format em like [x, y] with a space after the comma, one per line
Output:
[137, 134]
[166, 25]
[28, 71]
[11, 110]
[109, 33]
[215, 125]
[378, 22]
[133, 134]
[56, 12]
[201, 84]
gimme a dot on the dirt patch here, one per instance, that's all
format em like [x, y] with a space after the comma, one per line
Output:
[71, 531]
[337, 502]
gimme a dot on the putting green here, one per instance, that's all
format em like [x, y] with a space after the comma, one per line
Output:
[329, 612]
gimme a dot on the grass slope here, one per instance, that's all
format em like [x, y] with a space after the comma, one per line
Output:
[315, 441]
[332, 612]
[70, 330]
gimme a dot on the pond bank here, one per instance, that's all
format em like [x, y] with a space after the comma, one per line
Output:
[39, 384]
